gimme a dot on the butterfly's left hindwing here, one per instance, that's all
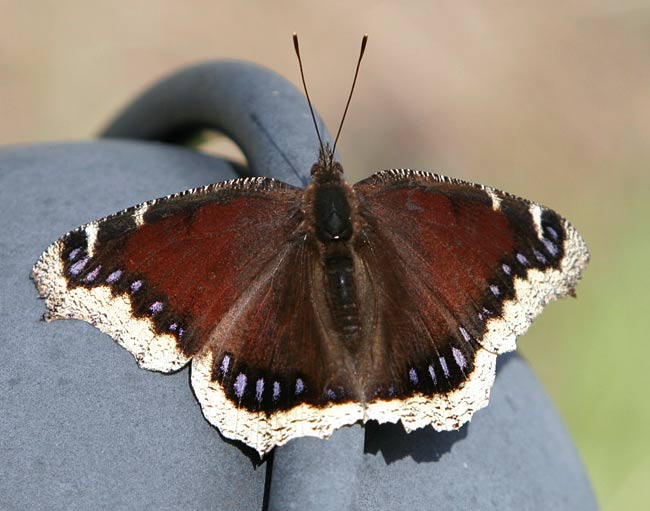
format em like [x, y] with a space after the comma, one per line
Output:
[275, 373]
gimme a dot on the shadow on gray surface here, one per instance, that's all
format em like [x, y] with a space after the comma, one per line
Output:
[422, 445]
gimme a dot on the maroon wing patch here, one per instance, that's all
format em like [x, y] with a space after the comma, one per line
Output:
[178, 262]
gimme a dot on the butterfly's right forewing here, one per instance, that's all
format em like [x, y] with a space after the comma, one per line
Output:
[456, 272]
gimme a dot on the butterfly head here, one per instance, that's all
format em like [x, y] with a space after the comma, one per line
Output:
[326, 170]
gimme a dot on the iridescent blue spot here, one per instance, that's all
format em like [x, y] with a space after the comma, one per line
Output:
[240, 385]
[432, 373]
[73, 255]
[225, 362]
[300, 386]
[551, 247]
[259, 390]
[114, 277]
[135, 286]
[443, 364]
[539, 256]
[156, 307]
[276, 390]
[459, 357]
[78, 267]
[93, 274]
[552, 232]
[413, 376]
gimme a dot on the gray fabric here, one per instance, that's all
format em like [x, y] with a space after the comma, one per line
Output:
[83, 428]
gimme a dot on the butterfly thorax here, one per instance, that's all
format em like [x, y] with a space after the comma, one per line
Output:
[329, 197]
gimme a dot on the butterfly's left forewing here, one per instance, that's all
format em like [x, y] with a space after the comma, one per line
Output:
[157, 277]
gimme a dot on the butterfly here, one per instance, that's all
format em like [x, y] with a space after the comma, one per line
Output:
[304, 310]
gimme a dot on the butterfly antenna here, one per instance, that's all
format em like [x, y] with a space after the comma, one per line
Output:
[354, 81]
[304, 85]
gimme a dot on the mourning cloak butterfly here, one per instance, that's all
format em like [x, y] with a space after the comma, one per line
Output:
[301, 311]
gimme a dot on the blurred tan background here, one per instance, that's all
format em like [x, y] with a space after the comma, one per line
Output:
[548, 100]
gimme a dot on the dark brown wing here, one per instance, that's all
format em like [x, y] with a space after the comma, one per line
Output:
[222, 275]
[457, 271]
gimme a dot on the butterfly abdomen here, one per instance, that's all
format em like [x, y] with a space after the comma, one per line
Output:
[342, 292]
